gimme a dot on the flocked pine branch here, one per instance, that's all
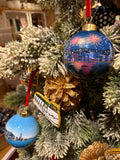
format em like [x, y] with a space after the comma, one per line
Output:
[66, 30]
[116, 63]
[78, 130]
[12, 59]
[17, 57]
[75, 132]
[112, 94]
[109, 125]
[15, 98]
[24, 154]
[51, 141]
[113, 35]
[24, 158]
[72, 154]
[96, 136]
[51, 62]
[48, 3]
[36, 157]
[68, 10]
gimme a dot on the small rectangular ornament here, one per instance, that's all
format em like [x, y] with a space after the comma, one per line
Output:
[26, 76]
[49, 109]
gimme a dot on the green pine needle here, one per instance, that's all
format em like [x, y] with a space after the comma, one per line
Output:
[15, 98]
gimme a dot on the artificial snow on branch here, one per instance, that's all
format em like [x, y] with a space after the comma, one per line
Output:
[77, 129]
[74, 132]
[51, 141]
[114, 36]
[66, 29]
[116, 64]
[24, 154]
[112, 94]
[109, 125]
[38, 47]
[51, 62]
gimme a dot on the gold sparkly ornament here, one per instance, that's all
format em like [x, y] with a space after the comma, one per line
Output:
[94, 151]
[65, 91]
[112, 154]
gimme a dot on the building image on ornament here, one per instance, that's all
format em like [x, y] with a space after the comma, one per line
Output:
[20, 131]
[88, 52]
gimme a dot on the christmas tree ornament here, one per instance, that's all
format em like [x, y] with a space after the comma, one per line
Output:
[109, 131]
[112, 154]
[49, 109]
[88, 52]
[65, 91]
[26, 76]
[94, 151]
[22, 129]
[103, 17]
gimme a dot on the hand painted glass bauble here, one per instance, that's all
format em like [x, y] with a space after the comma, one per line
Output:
[21, 131]
[88, 52]
[103, 17]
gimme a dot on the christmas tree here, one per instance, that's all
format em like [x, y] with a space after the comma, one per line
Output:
[89, 104]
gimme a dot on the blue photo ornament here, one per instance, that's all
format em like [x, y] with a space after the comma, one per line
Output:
[88, 52]
[21, 131]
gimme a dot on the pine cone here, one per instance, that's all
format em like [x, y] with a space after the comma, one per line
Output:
[65, 91]
[112, 154]
[94, 151]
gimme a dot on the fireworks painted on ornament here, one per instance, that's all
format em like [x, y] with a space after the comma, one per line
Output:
[88, 52]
